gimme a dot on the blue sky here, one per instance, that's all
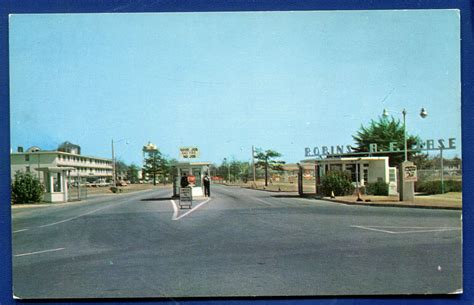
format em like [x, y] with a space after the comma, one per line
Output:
[226, 81]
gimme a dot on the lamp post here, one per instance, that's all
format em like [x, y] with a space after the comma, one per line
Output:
[406, 182]
[423, 114]
[114, 174]
[253, 166]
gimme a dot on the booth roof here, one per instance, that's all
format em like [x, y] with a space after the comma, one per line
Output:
[180, 164]
[54, 168]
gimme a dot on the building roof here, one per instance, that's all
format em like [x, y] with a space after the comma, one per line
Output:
[59, 152]
[339, 160]
[179, 164]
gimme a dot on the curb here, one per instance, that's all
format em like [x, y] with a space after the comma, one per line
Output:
[392, 205]
[271, 191]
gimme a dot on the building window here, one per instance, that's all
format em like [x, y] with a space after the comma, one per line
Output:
[336, 167]
[351, 169]
[366, 175]
[27, 157]
[392, 175]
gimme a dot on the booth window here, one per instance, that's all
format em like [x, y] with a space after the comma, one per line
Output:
[57, 183]
[197, 174]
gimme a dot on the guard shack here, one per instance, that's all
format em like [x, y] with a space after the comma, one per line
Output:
[56, 183]
[363, 170]
[195, 171]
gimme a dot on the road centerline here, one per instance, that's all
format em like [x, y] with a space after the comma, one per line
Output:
[417, 229]
[39, 252]
[22, 230]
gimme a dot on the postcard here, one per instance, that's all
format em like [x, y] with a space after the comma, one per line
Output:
[236, 154]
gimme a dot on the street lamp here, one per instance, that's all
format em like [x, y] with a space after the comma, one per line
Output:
[423, 114]
[114, 178]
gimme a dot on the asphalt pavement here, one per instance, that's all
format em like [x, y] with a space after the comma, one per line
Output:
[239, 242]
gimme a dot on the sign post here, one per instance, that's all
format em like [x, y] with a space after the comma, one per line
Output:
[185, 197]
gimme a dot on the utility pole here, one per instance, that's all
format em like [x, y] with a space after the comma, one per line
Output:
[113, 165]
[253, 165]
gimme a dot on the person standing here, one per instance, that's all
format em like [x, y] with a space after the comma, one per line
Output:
[184, 180]
[207, 185]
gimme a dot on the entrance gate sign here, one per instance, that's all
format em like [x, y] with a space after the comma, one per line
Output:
[188, 152]
[440, 144]
[185, 197]
[410, 173]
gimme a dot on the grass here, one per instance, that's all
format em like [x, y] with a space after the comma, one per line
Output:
[124, 189]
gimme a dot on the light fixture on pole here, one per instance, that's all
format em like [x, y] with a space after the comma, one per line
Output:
[114, 170]
[423, 114]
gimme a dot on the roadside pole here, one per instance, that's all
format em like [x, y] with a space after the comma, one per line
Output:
[113, 165]
[442, 170]
[253, 166]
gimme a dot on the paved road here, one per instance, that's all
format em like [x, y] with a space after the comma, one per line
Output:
[240, 243]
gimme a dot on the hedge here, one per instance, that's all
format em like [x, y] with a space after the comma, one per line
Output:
[379, 188]
[337, 182]
[434, 187]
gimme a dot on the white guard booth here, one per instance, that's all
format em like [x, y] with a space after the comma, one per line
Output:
[195, 171]
[363, 170]
[56, 183]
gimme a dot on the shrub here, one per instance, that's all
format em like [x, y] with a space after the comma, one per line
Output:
[115, 189]
[378, 188]
[434, 187]
[453, 186]
[26, 188]
[337, 182]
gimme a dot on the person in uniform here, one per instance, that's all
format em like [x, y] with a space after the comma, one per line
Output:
[184, 180]
[207, 185]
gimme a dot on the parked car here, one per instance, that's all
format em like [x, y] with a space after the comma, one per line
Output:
[102, 183]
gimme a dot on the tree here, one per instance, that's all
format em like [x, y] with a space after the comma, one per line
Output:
[383, 132]
[121, 168]
[155, 164]
[224, 170]
[265, 160]
[132, 173]
[26, 188]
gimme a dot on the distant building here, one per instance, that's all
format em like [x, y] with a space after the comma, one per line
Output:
[70, 148]
[85, 168]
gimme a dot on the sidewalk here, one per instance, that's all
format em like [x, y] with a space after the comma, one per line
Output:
[451, 201]
[97, 194]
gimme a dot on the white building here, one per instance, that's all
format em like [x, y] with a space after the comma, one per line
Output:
[363, 169]
[86, 168]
